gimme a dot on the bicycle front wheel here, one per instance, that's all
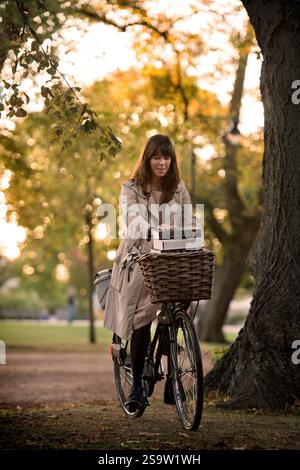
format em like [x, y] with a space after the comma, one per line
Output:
[187, 371]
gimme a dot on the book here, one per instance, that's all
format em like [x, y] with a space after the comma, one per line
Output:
[186, 244]
[177, 250]
[176, 233]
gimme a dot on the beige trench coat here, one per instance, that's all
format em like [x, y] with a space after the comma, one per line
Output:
[124, 290]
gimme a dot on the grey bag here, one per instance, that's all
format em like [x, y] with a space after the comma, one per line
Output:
[101, 283]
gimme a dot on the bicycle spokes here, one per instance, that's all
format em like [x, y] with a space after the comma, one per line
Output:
[187, 372]
[178, 341]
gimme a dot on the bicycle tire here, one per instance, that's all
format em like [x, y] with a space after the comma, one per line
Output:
[123, 377]
[187, 377]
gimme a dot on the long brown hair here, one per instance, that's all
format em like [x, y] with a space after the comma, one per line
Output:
[157, 145]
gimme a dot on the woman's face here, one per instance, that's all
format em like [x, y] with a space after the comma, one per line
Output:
[160, 165]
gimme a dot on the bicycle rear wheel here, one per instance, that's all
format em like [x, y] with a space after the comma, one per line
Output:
[123, 373]
[187, 371]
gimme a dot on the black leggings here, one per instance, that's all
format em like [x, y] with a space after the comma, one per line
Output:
[138, 349]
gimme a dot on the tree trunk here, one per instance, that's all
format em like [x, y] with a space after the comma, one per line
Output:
[258, 370]
[92, 335]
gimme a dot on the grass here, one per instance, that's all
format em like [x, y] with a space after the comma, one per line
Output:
[67, 337]
[52, 337]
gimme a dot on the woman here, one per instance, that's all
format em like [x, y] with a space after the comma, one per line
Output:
[129, 312]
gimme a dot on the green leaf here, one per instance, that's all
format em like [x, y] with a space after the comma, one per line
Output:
[21, 112]
[34, 46]
[29, 59]
[51, 70]
[44, 91]
[112, 151]
[19, 102]
[39, 57]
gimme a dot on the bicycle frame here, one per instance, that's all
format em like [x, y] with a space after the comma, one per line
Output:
[176, 338]
[163, 336]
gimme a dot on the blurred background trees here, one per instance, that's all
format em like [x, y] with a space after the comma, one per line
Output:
[61, 161]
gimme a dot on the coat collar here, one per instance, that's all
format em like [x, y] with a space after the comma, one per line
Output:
[135, 186]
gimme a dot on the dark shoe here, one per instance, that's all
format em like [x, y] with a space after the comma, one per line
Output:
[169, 398]
[135, 399]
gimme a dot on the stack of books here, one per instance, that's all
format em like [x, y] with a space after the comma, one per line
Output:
[176, 233]
[177, 239]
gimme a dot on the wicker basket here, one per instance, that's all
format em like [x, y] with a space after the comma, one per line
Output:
[178, 276]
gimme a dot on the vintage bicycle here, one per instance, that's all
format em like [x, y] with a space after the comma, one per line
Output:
[174, 279]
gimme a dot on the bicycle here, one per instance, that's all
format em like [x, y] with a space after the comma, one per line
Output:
[175, 335]
[176, 338]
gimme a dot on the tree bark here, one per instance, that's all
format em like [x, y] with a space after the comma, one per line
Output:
[258, 370]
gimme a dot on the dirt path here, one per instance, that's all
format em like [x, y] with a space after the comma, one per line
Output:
[103, 426]
[67, 400]
[37, 378]
[33, 378]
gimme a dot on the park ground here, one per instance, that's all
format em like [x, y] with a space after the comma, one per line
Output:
[57, 392]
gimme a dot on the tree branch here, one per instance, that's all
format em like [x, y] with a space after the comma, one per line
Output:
[215, 226]
[234, 201]
[93, 15]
